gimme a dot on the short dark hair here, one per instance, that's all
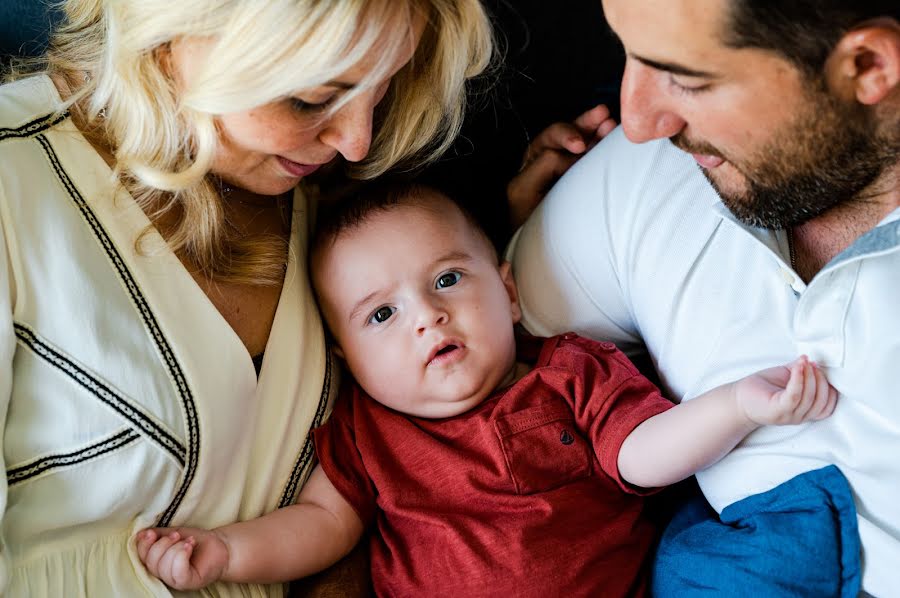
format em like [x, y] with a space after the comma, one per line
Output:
[803, 31]
[356, 208]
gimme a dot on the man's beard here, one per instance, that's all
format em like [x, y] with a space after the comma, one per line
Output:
[828, 155]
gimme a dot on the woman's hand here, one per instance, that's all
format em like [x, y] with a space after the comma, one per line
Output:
[549, 156]
[183, 558]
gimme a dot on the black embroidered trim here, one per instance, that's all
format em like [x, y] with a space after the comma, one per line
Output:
[34, 127]
[306, 453]
[17, 475]
[162, 344]
[108, 395]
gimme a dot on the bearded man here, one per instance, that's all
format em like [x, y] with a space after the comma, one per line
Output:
[748, 210]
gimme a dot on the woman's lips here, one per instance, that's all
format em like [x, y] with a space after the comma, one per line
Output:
[296, 169]
[707, 161]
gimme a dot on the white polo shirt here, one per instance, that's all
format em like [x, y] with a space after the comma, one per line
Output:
[634, 246]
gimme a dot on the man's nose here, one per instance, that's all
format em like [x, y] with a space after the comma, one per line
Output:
[647, 112]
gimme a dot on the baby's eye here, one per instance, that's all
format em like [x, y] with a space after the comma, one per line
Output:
[447, 279]
[382, 314]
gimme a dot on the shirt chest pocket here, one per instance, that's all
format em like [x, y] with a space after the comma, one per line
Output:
[542, 448]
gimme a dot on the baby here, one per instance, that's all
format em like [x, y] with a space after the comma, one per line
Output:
[487, 468]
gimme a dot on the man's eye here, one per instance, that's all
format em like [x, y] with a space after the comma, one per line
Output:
[448, 279]
[382, 314]
[688, 89]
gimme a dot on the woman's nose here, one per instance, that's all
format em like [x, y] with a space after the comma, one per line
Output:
[349, 130]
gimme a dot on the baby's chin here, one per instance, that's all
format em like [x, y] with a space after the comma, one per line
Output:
[438, 407]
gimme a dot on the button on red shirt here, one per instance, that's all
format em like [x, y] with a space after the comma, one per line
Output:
[520, 496]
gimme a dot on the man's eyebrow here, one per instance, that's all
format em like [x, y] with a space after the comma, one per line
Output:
[675, 69]
[669, 67]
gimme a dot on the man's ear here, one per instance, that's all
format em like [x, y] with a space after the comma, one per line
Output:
[510, 283]
[865, 64]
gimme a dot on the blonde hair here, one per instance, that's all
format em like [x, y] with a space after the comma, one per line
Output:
[164, 142]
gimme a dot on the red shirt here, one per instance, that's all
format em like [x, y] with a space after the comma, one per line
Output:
[520, 496]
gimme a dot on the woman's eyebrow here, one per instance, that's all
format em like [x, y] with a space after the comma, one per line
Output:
[340, 84]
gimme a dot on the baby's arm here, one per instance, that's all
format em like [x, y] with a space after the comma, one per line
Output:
[695, 434]
[286, 544]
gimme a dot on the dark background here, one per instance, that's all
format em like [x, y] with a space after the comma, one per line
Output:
[559, 60]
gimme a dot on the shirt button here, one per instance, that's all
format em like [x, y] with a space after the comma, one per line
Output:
[566, 438]
[787, 275]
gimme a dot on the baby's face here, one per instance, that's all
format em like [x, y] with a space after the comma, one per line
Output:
[421, 312]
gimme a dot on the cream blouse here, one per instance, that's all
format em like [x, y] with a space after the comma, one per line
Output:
[128, 400]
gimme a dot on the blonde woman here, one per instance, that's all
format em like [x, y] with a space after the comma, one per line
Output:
[161, 357]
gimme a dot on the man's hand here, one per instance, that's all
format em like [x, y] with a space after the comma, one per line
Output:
[183, 558]
[784, 395]
[549, 156]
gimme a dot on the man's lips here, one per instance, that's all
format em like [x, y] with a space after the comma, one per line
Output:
[297, 169]
[446, 351]
[707, 161]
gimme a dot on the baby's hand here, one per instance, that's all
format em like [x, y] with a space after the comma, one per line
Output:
[183, 558]
[789, 394]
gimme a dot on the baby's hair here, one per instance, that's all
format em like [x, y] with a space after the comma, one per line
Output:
[347, 214]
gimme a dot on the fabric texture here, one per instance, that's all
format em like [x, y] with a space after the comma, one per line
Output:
[520, 496]
[798, 539]
[128, 400]
[633, 245]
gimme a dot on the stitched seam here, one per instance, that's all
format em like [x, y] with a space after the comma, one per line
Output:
[36, 467]
[534, 422]
[34, 127]
[162, 345]
[101, 390]
[290, 490]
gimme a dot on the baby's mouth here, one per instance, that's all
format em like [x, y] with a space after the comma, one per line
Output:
[444, 353]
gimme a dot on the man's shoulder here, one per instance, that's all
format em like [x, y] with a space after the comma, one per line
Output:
[618, 172]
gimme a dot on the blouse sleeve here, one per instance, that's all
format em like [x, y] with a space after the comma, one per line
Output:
[7, 349]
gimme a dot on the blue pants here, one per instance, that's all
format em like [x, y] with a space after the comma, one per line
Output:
[798, 539]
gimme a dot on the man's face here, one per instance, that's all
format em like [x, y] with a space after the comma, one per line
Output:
[777, 145]
[420, 310]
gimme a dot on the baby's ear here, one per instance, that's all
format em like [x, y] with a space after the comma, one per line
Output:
[509, 282]
[336, 349]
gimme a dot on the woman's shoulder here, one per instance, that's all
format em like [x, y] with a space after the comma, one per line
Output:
[25, 104]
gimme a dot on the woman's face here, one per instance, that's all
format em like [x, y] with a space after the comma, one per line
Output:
[269, 148]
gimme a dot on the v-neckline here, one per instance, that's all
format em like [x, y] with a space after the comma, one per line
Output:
[155, 238]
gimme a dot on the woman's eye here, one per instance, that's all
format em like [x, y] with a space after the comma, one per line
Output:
[302, 106]
[382, 314]
[448, 279]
